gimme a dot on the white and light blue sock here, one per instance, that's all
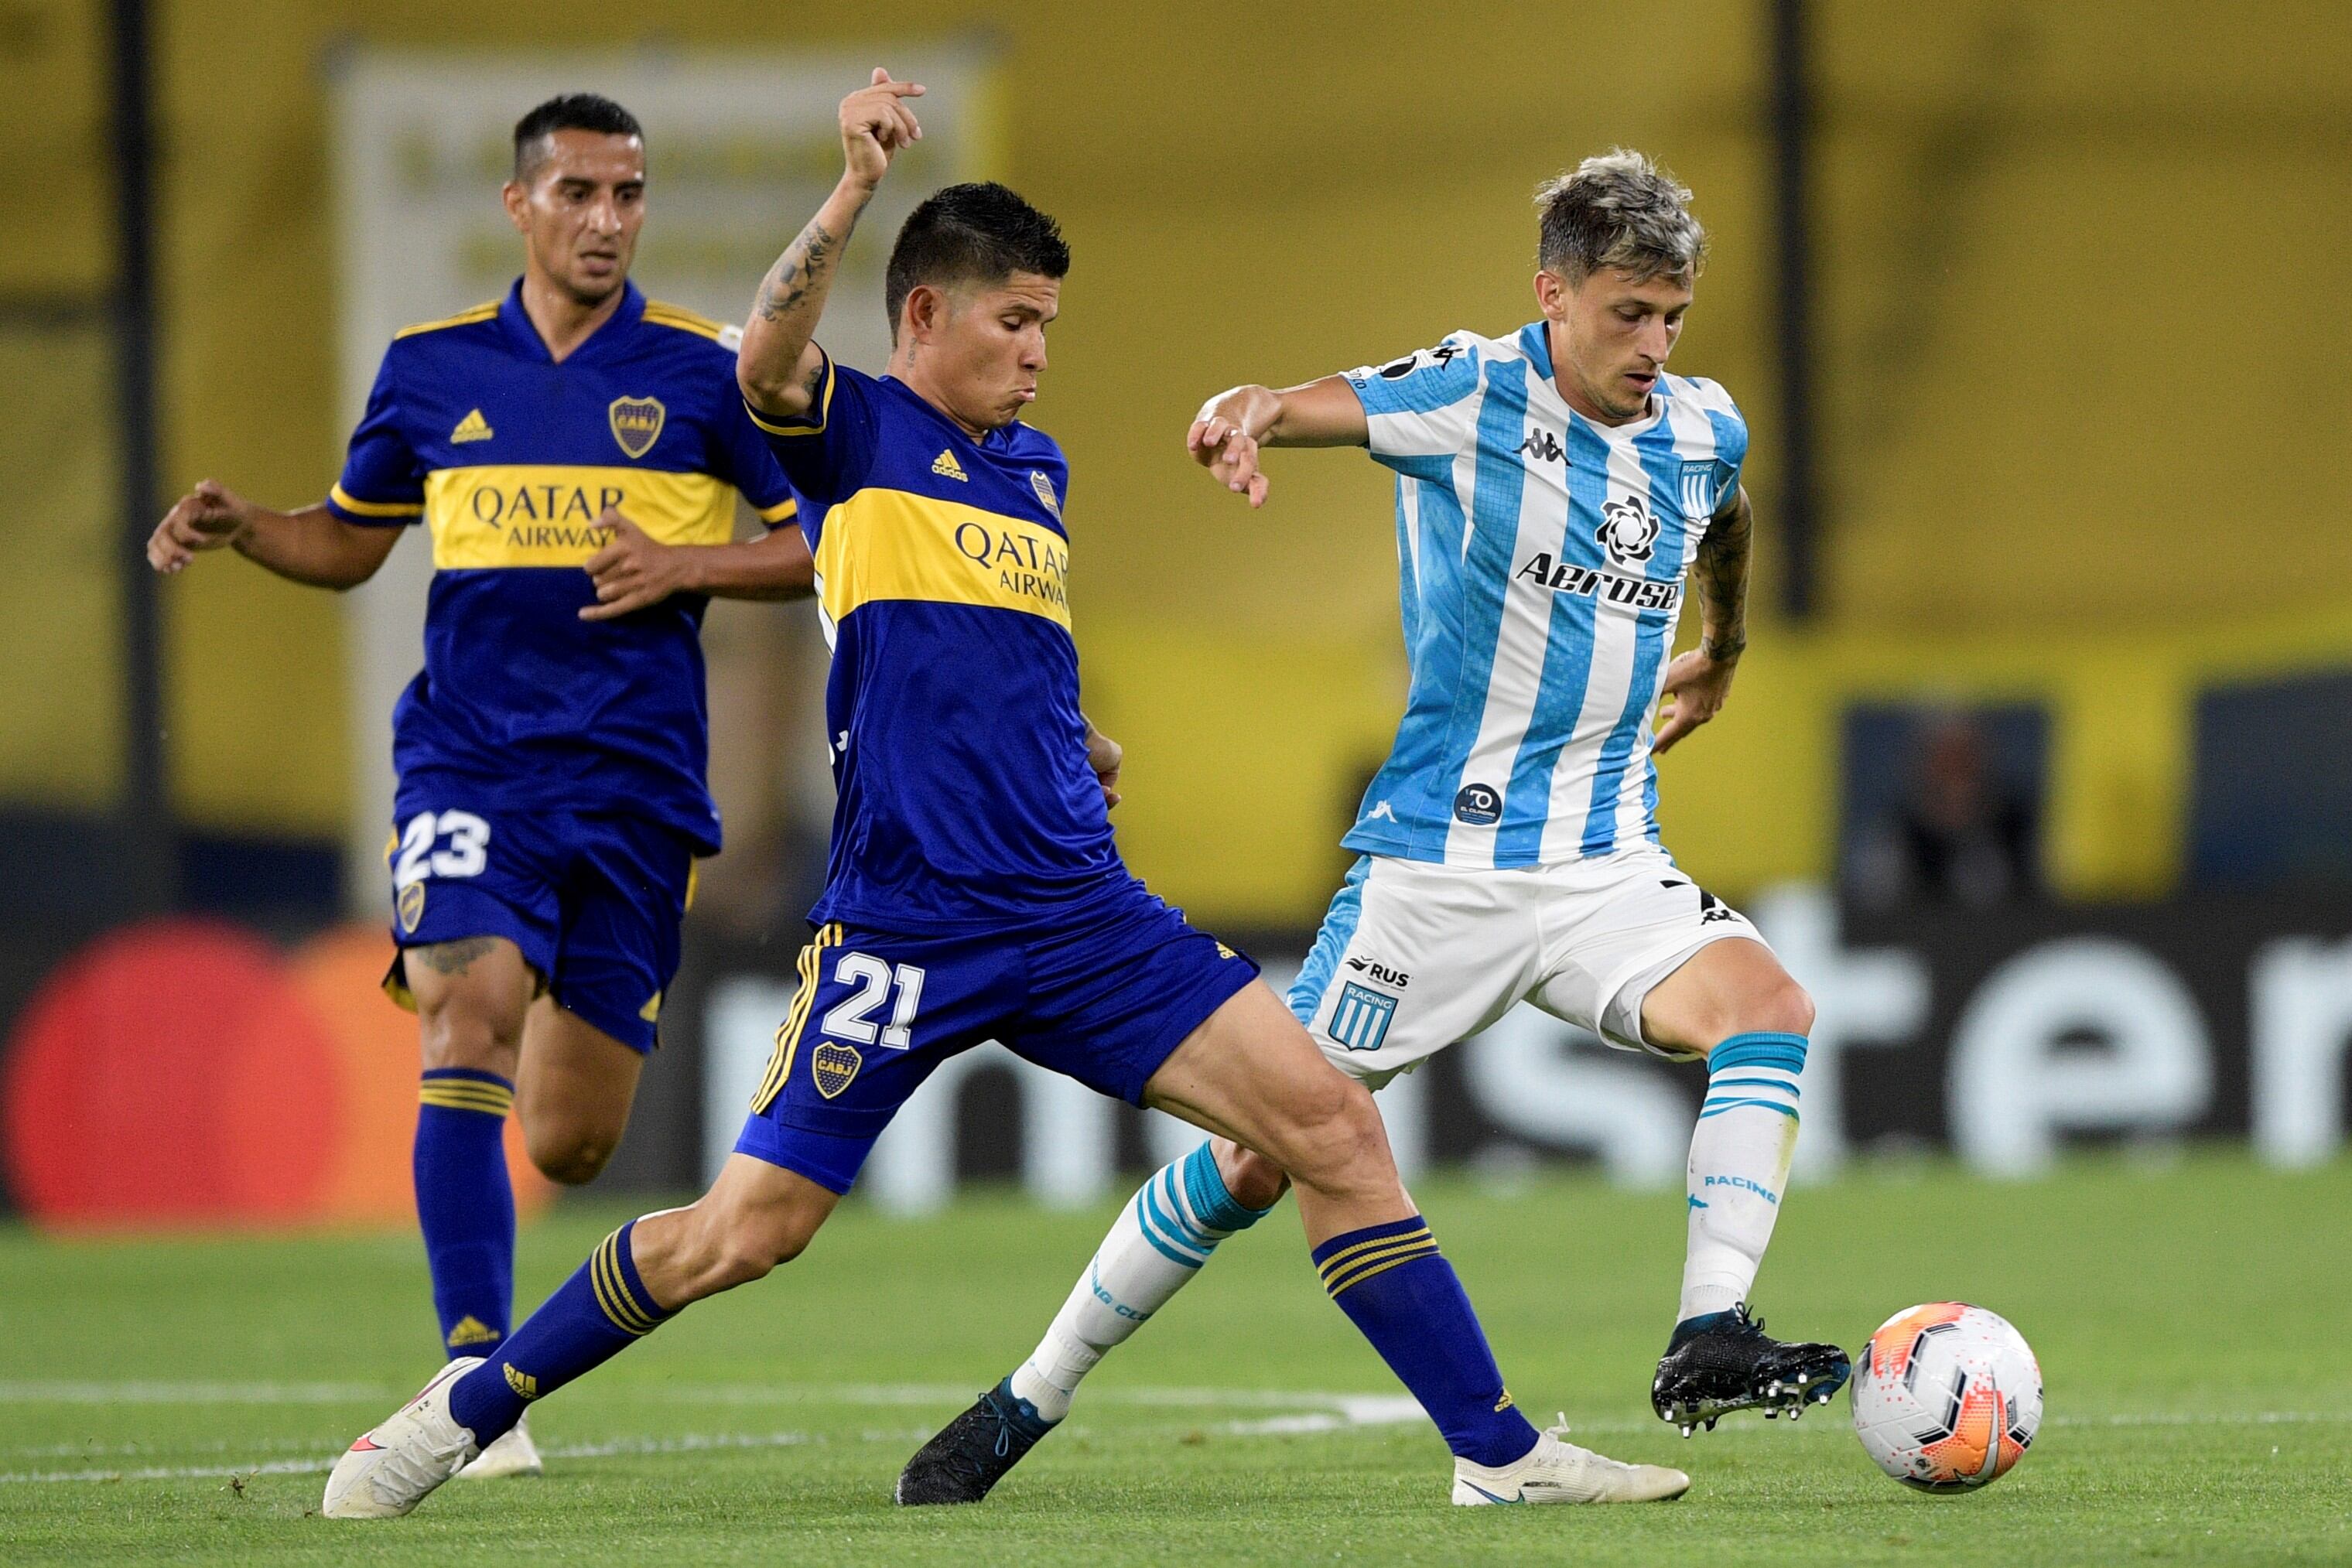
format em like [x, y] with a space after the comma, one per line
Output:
[1159, 1241]
[1739, 1155]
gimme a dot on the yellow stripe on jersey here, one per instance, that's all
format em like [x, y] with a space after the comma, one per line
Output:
[801, 424]
[893, 544]
[352, 504]
[532, 514]
[796, 1017]
[782, 511]
[663, 314]
[465, 318]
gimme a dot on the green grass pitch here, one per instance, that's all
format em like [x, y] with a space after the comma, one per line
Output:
[180, 1399]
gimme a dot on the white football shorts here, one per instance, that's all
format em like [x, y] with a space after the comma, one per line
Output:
[1413, 957]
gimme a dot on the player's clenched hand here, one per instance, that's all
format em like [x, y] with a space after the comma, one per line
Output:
[632, 571]
[1223, 440]
[1104, 754]
[877, 124]
[206, 517]
[1696, 688]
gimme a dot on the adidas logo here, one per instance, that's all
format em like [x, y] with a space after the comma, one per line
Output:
[471, 1330]
[947, 467]
[522, 1383]
[473, 427]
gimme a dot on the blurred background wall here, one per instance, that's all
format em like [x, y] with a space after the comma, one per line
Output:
[2081, 395]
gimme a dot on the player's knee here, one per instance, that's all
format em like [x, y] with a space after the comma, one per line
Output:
[570, 1156]
[461, 1028]
[1784, 1008]
[1335, 1130]
[1254, 1181]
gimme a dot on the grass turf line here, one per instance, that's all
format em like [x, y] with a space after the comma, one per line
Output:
[2188, 1317]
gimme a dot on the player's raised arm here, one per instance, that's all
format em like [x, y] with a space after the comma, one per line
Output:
[780, 367]
[1698, 682]
[1231, 427]
[313, 545]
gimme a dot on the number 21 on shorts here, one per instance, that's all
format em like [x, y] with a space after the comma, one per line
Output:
[853, 1019]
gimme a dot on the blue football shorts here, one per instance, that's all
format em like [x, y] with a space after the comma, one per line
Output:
[1105, 1002]
[593, 899]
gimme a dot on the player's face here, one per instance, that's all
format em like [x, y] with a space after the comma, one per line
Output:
[579, 212]
[1616, 334]
[981, 346]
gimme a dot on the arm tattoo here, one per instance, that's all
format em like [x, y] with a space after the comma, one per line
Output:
[801, 267]
[453, 957]
[1723, 582]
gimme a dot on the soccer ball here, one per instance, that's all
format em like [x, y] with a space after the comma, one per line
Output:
[1946, 1397]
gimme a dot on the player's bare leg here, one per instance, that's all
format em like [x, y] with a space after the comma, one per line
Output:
[489, 1044]
[1734, 1005]
[1253, 1076]
[574, 1091]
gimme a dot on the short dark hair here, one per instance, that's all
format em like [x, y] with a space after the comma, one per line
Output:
[1619, 210]
[978, 232]
[568, 111]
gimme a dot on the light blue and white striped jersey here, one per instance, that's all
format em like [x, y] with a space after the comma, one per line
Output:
[1541, 559]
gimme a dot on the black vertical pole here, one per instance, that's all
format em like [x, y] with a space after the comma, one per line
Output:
[148, 839]
[1797, 515]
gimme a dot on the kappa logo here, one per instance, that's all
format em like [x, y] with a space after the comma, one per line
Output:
[1381, 812]
[473, 427]
[1627, 530]
[1541, 445]
[412, 907]
[833, 1065]
[947, 467]
[1045, 489]
[1712, 909]
[637, 422]
[1380, 972]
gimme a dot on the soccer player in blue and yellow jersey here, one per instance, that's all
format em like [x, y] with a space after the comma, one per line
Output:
[975, 891]
[575, 452]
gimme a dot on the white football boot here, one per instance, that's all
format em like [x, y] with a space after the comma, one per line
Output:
[512, 1455]
[419, 1445]
[1555, 1471]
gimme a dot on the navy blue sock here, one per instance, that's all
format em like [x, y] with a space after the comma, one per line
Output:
[465, 1203]
[1402, 1295]
[600, 1311]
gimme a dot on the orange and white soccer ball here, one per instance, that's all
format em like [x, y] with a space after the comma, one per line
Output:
[1946, 1397]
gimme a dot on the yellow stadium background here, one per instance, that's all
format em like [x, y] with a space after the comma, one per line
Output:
[2086, 377]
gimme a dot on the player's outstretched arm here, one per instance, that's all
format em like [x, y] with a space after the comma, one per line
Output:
[779, 366]
[1699, 683]
[1231, 427]
[635, 571]
[313, 545]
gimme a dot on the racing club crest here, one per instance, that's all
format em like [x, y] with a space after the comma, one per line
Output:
[637, 422]
[1628, 530]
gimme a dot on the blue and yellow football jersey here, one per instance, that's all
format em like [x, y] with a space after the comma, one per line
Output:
[509, 458]
[959, 750]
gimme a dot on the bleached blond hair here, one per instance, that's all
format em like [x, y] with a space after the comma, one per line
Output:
[1619, 209]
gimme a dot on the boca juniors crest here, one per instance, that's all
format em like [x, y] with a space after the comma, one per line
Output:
[637, 422]
[412, 907]
[833, 1065]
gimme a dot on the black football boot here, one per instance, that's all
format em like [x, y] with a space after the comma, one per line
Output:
[973, 1452]
[1725, 1362]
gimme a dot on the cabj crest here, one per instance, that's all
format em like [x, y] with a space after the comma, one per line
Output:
[637, 422]
[833, 1065]
[412, 907]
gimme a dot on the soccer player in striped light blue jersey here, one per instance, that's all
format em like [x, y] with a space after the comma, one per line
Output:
[575, 452]
[975, 891]
[1556, 489]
